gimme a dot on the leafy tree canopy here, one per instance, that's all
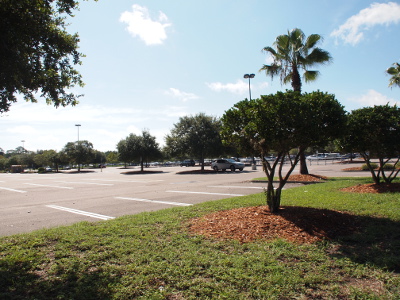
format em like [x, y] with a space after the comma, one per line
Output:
[280, 122]
[138, 147]
[37, 54]
[374, 132]
[195, 136]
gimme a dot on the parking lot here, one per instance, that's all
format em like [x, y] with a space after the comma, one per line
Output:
[35, 201]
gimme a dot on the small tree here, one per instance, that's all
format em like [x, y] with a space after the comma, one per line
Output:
[139, 147]
[197, 136]
[374, 132]
[276, 123]
[79, 152]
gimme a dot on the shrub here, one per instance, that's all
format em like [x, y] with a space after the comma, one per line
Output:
[364, 167]
[41, 170]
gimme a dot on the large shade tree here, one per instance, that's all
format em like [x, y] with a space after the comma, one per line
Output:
[195, 136]
[293, 53]
[278, 123]
[139, 147]
[394, 72]
[80, 152]
[374, 132]
[37, 53]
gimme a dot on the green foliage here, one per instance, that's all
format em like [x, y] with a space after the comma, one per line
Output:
[37, 53]
[79, 152]
[365, 167]
[140, 148]
[394, 71]
[155, 256]
[278, 123]
[374, 132]
[293, 52]
[195, 136]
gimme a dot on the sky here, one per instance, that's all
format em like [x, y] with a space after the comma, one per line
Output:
[148, 63]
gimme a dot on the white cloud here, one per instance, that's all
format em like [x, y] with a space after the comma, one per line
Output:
[374, 98]
[140, 24]
[240, 87]
[183, 96]
[352, 31]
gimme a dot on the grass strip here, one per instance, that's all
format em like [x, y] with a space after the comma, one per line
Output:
[153, 255]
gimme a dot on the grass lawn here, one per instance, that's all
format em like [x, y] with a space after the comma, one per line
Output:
[154, 256]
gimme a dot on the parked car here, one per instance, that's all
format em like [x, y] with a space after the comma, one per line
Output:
[188, 163]
[223, 164]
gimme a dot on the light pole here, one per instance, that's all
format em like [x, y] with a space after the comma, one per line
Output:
[23, 144]
[249, 76]
[78, 125]
[79, 165]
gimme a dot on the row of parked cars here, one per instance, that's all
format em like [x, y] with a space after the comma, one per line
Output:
[217, 164]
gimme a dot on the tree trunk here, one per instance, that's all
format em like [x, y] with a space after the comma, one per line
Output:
[273, 199]
[303, 165]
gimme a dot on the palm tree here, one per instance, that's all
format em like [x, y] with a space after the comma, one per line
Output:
[395, 73]
[293, 52]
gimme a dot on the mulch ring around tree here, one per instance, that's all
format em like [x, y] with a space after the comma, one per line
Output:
[374, 188]
[302, 225]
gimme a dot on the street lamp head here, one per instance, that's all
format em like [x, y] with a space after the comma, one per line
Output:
[77, 124]
[249, 75]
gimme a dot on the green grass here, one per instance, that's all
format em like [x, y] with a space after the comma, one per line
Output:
[153, 256]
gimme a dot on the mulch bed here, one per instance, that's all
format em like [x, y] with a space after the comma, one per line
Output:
[301, 225]
[374, 188]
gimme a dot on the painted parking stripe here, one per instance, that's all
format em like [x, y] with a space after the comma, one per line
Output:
[81, 212]
[12, 190]
[53, 186]
[113, 180]
[237, 187]
[154, 201]
[92, 183]
[205, 193]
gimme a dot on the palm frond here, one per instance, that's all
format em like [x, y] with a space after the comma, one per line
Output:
[310, 75]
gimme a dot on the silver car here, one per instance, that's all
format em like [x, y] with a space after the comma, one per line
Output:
[223, 164]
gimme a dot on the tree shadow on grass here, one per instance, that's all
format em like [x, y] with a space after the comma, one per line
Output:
[19, 281]
[363, 239]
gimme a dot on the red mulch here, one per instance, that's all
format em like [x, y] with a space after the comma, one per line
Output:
[295, 224]
[307, 178]
[374, 188]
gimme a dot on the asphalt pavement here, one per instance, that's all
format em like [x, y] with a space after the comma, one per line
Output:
[33, 201]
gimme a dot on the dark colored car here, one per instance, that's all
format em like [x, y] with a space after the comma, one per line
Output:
[188, 163]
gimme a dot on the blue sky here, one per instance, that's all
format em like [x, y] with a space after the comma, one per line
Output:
[150, 62]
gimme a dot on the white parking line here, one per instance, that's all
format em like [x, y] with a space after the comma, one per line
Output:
[205, 193]
[53, 186]
[155, 201]
[93, 183]
[237, 187]
[12, 190]
[81, 212]
[112, 180]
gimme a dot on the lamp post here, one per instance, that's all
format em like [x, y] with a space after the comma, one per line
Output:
[78, 125]
[23, 144]
[249, 76]
[79, 165]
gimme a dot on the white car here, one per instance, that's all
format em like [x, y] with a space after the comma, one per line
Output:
[223, 164]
